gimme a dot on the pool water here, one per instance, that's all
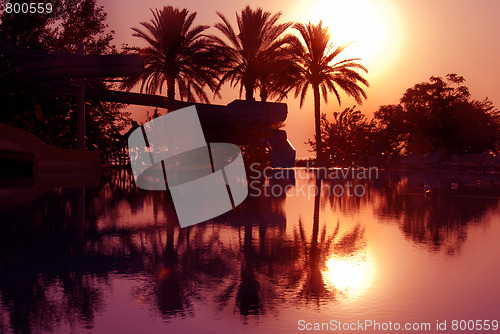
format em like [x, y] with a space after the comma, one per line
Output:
[402, 248]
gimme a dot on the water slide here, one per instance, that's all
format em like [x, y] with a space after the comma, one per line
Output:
[50, 74]
[29, 167]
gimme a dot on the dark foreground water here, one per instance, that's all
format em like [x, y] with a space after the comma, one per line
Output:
[407, 249]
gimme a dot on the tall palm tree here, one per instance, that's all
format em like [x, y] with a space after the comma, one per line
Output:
[315, 57]
[177, 54]
[249, 53]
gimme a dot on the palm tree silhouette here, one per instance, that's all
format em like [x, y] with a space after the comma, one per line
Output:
[177, 54]
[315, 58]
[277, 76]
[253, 51]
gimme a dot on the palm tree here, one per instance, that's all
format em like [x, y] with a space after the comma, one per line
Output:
[278, 76]
[250, 53]
[177, 54]
[317, 70]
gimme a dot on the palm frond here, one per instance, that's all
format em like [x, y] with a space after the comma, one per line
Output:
[251, 54]
[177, 53]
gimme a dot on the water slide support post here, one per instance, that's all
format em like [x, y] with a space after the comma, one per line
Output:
[80, 123]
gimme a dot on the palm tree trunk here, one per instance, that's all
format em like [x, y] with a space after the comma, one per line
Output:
[263, 94]
[317, 121]
[170, 88]
[249, 85]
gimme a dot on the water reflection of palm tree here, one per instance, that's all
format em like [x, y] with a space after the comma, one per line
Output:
[262, 260]
[248, 285]
[316, 252]
[248, 297]
[171, 288]
[192, 257]
[35, 306]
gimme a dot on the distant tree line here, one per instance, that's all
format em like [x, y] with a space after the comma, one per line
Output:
[444, 112]
[440, 110]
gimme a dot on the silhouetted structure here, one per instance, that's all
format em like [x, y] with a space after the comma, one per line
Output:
[42, 74]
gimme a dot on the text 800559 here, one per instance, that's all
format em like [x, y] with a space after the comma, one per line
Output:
[28, 8]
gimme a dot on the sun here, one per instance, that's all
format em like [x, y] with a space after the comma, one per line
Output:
[369, 27]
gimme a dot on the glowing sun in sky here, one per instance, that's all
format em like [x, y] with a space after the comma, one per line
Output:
[370, 27]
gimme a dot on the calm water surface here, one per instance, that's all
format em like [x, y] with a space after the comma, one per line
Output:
[113, 259]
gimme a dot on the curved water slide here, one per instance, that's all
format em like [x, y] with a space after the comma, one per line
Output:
[29, 167]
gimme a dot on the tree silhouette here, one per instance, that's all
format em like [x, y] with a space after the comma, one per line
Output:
[177, 54]
[53, 119]
[315, 59]
[83, 23]
[254, 56]
[444, 112]
[349, 136]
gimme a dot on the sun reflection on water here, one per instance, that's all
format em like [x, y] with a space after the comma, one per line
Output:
[352, 275]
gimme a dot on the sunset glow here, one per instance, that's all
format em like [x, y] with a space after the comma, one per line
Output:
[401, 43]
[261, 166]
[368, 27]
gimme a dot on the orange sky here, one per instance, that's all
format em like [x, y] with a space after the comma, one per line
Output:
[402, 42]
